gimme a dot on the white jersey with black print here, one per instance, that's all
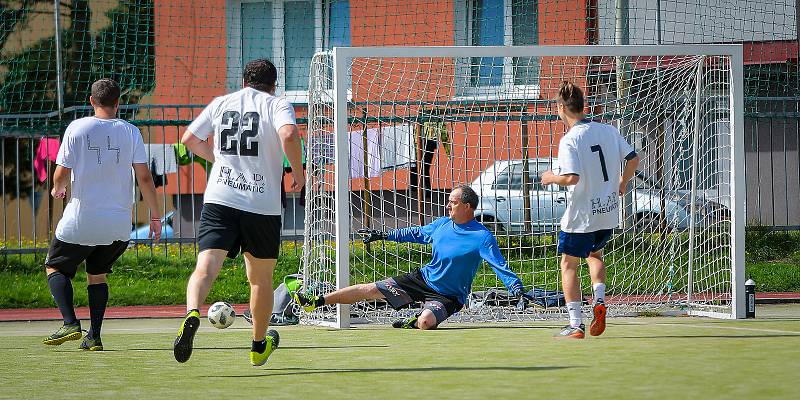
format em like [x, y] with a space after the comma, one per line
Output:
[593, 151]
[100, 153]
[248, 157]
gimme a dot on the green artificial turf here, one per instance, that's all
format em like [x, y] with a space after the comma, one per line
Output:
[637, 358]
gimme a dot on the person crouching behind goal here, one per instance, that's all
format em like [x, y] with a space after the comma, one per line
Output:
[458, 244]
[589, 158]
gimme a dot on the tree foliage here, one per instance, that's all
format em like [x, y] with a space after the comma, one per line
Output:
[123, 50]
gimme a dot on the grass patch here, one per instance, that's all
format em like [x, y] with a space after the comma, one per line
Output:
[775, 276]
[762, 243]
[155, 279]
[158, 276]
[649, 314]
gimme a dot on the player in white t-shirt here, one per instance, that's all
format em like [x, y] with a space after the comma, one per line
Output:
[589, 158]
[96, 158]
[245, 134]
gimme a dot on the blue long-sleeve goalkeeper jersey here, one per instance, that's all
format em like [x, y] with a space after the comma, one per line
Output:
[457, 254]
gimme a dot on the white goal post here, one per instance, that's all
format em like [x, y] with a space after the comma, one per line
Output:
[393, 129]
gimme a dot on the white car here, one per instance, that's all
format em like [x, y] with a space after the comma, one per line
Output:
[502, 204]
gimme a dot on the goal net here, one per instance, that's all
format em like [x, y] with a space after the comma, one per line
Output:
[393, 130]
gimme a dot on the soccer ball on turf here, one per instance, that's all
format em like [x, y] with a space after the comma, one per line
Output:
[221, 315]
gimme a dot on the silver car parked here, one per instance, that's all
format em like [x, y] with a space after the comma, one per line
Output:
[503, 206]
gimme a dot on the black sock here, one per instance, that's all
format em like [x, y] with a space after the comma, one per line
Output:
[320, 301]
[98, 299]
[259, 346]
[61, 289]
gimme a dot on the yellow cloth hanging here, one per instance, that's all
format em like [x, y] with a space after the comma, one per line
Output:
[437, 130]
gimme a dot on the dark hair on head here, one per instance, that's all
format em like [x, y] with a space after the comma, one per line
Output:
[105, 92]
[571, 97]
[260, 74]
[468, 196]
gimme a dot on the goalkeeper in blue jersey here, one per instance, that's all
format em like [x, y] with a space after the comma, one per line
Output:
[458, 244]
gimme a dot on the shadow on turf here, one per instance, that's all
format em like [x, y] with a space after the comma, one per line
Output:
[445, 327]
[356, 346]
[699, 336]
[319, 371]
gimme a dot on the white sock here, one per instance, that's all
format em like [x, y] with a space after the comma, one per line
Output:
[574, 308]
[599, 292]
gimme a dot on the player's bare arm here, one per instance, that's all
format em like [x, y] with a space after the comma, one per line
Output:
[148, 189]
[60, 181]
[290, 141]
[627, 174]
[549, 178]
[203, 148]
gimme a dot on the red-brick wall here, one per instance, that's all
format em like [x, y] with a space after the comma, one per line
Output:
[191, 69]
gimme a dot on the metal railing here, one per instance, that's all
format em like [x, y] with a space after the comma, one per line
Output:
[30, 215]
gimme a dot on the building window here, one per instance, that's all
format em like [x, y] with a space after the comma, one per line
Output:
[338, 12]
[498, 23]
[288, 32]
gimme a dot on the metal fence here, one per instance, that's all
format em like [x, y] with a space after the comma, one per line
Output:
[772, 168]
[50, 52]
[29, 214]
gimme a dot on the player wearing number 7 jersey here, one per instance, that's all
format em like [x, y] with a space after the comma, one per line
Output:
[589, 158]
[245, 134]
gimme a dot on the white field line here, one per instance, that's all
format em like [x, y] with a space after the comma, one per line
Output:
[716, 326]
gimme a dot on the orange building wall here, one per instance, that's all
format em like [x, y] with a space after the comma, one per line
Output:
[191, 69]
[557, 19]
[475, 146]
[401, 23]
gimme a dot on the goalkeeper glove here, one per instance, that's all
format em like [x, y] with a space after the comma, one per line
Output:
[371, 235]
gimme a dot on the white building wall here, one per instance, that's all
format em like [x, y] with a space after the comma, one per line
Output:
[702, 21]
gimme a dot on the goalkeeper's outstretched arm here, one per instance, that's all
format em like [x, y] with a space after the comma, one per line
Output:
[490, 252]
[414, 234]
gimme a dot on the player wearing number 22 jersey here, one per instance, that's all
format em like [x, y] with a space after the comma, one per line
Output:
[247, 173]
[246, 135]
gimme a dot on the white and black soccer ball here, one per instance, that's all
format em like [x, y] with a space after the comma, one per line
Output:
[221, 315]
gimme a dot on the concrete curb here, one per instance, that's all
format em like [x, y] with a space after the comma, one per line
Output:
[177, 311]
[777, 298]
[118, 312]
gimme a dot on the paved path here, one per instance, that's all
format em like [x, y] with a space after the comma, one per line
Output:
[46, 314]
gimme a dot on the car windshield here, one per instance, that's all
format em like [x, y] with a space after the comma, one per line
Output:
[511, 177]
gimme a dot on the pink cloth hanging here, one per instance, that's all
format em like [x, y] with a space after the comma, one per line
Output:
[47, 151]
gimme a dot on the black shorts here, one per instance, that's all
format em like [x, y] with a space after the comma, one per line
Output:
[66, 257]
[231, 229]
[402, 291]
